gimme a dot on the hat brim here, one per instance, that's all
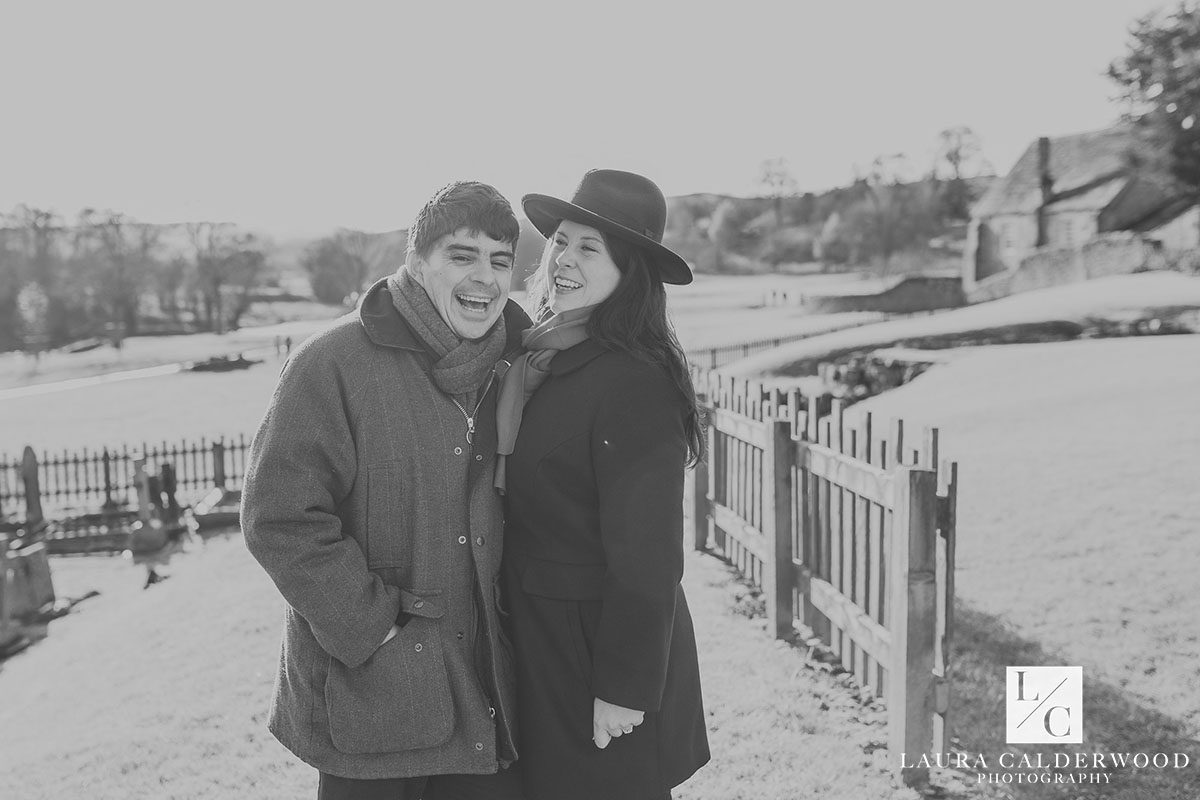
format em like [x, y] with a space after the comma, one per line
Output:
[545, 212]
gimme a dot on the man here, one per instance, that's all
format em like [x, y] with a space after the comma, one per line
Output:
[369, 500]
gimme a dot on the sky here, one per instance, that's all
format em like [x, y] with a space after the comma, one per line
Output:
[294, 119]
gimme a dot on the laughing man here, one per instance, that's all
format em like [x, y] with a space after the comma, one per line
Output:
[369, 502]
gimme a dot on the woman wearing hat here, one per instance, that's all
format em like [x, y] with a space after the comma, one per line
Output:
[598, 419]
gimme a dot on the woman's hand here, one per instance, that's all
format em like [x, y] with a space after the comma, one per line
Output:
[610, 721]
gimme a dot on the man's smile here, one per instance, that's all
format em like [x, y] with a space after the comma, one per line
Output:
[474, 302]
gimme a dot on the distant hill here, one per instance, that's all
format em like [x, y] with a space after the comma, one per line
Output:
[727, 233]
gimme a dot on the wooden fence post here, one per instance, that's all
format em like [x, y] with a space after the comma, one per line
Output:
[33, 492]
[218, 456]
[779, 575]
[700, 486]
[947, 523]
[913, 619]
[711, 468]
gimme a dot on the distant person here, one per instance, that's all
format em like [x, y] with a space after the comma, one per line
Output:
[370, 501]
[287, 346]
[605, 419]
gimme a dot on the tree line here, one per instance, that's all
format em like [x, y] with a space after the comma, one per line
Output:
[107, 275]
[890, 208]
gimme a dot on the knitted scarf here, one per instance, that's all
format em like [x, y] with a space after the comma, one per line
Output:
[460, 365]
[528, 372]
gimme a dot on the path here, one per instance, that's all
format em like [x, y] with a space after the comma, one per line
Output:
[54, 387]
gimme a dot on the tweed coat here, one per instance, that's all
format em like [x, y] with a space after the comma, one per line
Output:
[593, 562]
[367, 505]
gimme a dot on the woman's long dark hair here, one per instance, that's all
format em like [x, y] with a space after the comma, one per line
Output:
[633, 320]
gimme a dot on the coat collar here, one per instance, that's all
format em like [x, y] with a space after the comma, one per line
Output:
[575, 357]
[385, 327]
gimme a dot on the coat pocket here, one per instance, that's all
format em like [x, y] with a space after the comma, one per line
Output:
[398, 700]
[583, 617]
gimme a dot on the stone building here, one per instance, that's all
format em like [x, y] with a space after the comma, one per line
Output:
[1066, 201]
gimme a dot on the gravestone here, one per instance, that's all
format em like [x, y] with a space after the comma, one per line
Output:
[33, 495]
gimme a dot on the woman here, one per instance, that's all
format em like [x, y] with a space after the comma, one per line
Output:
[608, 684]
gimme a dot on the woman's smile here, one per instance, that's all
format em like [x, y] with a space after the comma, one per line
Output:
[563, 284]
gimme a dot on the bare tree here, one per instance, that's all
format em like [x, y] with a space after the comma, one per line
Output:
[243, 271]
[119, 255]
[778, 184]
[34, 243]
[959, 156]
[211, 242]
[885, 191]
[226, 262]
[41, 231]
[168, 280]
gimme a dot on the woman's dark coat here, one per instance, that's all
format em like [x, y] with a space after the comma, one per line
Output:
[593, 561]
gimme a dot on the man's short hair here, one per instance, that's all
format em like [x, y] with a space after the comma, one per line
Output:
[463, 204]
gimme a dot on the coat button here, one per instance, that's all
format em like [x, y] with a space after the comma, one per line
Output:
[419, 604]
[418, 647]
[479, 745]
[458, 451]
[479, 541]
[459, 634]
[479, 458]
[462, 540]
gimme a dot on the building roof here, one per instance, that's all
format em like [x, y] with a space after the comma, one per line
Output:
[1092, 198]
[1166, 214]
[1079, 164]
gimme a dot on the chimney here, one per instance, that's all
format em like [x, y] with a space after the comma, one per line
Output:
[1047, 183]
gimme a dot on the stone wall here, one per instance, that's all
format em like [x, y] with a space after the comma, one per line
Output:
[1180, 234]
[910, 294]
[1117, 253]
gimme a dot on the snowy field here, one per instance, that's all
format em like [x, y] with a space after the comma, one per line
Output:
[187, 406]
[1119, 298]
[1078, 532]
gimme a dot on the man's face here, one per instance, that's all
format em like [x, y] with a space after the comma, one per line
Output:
[467, 277]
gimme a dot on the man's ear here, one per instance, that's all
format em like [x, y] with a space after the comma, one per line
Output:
[415, 266]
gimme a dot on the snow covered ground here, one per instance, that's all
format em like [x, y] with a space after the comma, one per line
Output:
[1078, 521]
[1109, 298]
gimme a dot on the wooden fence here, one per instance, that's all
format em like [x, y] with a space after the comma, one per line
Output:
[850, 535]
[71, 483]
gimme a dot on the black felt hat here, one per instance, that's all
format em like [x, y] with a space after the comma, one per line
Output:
[618, 203]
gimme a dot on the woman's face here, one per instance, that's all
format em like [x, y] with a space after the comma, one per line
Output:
[579, 271]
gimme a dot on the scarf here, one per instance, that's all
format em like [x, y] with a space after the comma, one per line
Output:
[528, 371]
[460, 366]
